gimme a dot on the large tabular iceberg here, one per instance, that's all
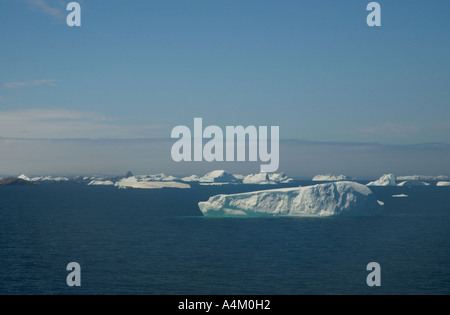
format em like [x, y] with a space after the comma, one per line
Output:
[443, 184]
[385, 180]
[331, 199]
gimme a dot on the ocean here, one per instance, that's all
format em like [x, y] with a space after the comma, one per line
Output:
[157, 242]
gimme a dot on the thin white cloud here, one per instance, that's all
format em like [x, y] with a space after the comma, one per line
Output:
[390, 130]
[71, 124]
[49, 7]
[20, 84]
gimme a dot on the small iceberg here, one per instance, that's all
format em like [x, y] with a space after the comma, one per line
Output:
[411, 183]
[323, 200]
[101, 183]
[24, 177]
[400, 196]
[443, 184]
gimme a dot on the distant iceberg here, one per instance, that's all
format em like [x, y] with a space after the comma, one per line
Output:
[385, 180]
[101, 183]
[400, 196]
[24, 177]
[330, 178]
[214, 177]
[422, 178]
[410, 183]
[443, 184]
[49, 179]
[261, 178]
[323, 200]
[154, 178]
[192, 178]
[280, 178]
[158, 178]
[267, 179]
[134, 182]
[219, 176]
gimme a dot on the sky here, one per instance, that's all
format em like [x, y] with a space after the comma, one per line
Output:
[104, 97]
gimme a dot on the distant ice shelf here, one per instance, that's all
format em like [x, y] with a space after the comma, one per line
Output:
[423, 177]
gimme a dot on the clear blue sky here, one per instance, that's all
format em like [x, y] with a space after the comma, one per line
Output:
[136, 69]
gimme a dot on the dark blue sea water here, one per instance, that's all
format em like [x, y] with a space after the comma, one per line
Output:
[157, 242]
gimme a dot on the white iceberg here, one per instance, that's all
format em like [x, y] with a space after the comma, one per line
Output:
[267, 179]
[323, 200]
[24, 177]
[192, 178]
[154, 178]
[261, 178]
[219, 176]
[385, 180]
[400, 196]
[101, 183]
[443, 184]
[214, 177]
[422, 177]
[410, 183]
[329, 178]
[49, 179]
[280, 178]
[134, 182]
[161, 177]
